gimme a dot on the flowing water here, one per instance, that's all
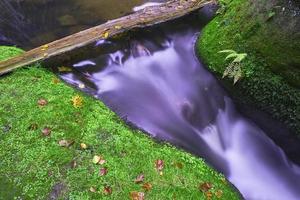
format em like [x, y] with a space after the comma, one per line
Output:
[154, 81]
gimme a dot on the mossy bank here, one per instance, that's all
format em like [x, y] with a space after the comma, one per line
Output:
[48, 145]
[271, 70]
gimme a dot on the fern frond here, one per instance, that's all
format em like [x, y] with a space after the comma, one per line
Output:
[227, 51]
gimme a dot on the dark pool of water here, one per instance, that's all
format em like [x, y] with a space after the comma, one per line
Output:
[31, 23]
[154, 81]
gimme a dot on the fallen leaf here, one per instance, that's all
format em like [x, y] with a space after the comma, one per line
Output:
[159, 165]
[83, 146]
[92, 189]
[81, 86]
[204, 187]
[42, 102]
[179, 165]
[102, 161]
[65, 143]
[103, 171]
[219, 194]
[137, 195]
[139, 179]
[45, 47]
[45, 54]
[33, 127]
[208, 195]
[118, 27]
[46, 131]
[96, 159]
[105, 35]
[147, 186]
[77, 101]
[107, 190]
[64, 69]
[55, 80]
[73, 164]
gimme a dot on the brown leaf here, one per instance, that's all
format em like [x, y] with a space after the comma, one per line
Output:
[103, 171]
[137, 195]
[46, 131]
[147, 186]
[179, 165]
[65, 143]
[204, 187]
[55, 80]
[140, 178]
[33, 127]
[159, 165]
[107, 190]
[73, 164]
[42, 102]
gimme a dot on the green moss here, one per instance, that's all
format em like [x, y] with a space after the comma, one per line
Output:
[34, 166]
[260, 86]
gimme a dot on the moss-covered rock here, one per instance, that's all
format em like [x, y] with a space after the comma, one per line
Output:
[244, 27]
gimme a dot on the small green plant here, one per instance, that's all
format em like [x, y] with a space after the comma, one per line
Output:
[223, 4]
[234, 69]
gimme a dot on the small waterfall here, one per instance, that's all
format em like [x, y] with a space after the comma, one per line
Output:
[157, 84]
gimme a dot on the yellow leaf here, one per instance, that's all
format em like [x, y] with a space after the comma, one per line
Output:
[83, 146]
[45, 47]
[64, 69]
[81, 86]
[105, 35]
[118, 27]
[96, 159]
[77, 101]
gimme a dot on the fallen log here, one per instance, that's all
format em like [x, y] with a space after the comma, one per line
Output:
[61, 49]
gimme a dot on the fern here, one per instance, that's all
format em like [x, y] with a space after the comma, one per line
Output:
[234, 69]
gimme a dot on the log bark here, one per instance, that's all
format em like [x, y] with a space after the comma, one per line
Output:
[63, 48]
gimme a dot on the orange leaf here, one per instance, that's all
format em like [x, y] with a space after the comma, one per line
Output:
[137, 195]
[147, 186]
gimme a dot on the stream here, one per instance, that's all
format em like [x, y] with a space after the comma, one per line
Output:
[154, 81]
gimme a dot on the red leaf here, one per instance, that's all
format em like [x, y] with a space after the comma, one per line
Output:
[103, 171]
[137, 195]
[46, 131]
[107, 190]
[159, 164]
[204, 187]
[42, 102]
[140, 178]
